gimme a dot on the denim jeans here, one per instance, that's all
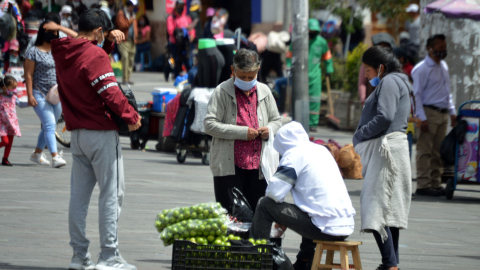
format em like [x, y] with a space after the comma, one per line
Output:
[144, 47]
[48, 115]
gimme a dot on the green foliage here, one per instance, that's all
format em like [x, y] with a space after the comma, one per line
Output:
[389, 9]
[345, 14]
[321, 4]
[352, 67]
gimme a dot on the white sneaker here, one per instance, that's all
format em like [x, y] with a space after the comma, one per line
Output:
[58, 162]
[79, 263]
[114, 263]
[40, 159]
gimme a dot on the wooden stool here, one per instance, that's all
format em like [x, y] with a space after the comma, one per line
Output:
[331, 247]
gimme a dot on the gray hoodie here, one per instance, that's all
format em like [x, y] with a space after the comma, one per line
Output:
[386, 110]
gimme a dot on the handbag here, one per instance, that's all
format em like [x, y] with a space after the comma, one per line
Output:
[270, 158]
[52, 96]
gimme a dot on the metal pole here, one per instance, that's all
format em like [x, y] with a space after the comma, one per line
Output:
[347, 42]
[287, 15]
[300, 63]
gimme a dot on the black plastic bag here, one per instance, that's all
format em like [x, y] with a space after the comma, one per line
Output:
[240, 207]
[280, 259]
[122, 125]
[447, 148]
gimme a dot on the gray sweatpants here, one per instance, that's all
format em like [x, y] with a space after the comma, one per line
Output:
[97, 158]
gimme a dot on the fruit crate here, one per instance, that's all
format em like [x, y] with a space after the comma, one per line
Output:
[187, 255]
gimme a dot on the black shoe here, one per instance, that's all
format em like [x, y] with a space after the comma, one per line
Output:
[441, 190]
[413, 196]
[302, 265]
[427, 192]
[131, 83]
[5, 162]
[313, 129]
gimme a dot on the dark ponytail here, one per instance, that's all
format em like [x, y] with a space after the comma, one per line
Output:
[6, 81]
[378, 55]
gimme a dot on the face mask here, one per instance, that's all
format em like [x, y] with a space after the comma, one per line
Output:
[49, 36]
[8, 91]
[179, 10]
[312, 35]
[101, 43]
[13, 59]
[141, 23]
[243, 85]
[440, 54]
[375, 81]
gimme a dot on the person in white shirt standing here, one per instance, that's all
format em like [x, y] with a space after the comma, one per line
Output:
[322, 209]
[431, 83]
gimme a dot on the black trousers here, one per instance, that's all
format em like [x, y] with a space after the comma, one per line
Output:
[389, 248]
[210, 65]
[289, 215]
[247, 181]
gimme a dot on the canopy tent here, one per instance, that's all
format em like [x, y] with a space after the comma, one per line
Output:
[457, 9]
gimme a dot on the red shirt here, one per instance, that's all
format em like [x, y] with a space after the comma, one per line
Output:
[247, 153]
[86, 85]
[407, 68]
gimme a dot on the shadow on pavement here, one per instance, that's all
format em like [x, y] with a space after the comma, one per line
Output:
[156, 261]
[22, 267]
[355, 193]
[470, 257]
[455, 200]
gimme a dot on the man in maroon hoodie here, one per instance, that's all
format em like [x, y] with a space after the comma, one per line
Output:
[87, 85]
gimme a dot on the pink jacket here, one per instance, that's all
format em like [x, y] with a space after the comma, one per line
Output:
[181, 21]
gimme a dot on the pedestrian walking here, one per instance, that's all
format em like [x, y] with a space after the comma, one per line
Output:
[435, 108]
[322, 209]
[127, 23]
[413, 26]
[240, 115]
[181, 33]
[381, 142]
[40, 77]
[8, 116]
[317, 51]
[87, 85]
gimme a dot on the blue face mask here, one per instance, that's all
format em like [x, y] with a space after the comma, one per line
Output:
[243, 85]
[375, 81]
[103, 41]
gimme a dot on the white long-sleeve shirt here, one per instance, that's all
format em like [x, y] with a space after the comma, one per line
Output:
[310, 173]
[431, 85]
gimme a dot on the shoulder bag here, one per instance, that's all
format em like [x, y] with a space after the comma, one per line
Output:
[52, 96]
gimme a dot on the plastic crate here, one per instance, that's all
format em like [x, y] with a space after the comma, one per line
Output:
[187, 255]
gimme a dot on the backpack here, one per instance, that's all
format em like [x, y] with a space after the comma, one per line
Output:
[121, 124]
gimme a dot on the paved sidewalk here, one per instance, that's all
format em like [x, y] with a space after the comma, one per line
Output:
[34, 209]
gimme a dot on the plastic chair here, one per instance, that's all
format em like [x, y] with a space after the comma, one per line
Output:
[142, 60]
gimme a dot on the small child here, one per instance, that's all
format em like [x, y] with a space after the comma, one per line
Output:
[8, 116]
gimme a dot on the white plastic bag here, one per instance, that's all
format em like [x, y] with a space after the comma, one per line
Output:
[200, 97]
[270, 158]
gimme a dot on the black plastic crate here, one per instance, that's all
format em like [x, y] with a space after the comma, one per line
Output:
[187, 255]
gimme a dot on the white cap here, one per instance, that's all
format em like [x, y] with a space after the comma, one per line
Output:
[413, 8]
[404, 35]
[66, 10]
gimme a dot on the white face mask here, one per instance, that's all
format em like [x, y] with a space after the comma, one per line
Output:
[244, 85]
[100, 44]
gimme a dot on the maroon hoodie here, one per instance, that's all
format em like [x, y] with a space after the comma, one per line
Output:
[87, 84]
